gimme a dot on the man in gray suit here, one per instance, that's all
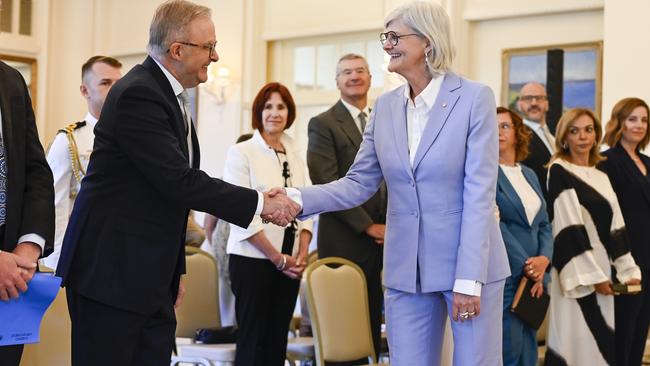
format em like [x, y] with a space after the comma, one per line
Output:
[334, 137]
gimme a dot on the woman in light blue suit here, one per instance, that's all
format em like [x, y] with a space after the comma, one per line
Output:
[434, 142]
[526, 232]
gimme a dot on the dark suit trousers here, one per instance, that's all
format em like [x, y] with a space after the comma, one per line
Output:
[10, 355]
[632, 322]
[104, 335]
[264, 303]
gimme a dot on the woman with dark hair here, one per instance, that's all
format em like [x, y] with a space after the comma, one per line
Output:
[589, 238]
[266, 261]
[526, 233]
[627, 169]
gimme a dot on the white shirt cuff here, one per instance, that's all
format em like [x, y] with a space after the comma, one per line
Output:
[34, 238]
[295, 195]
[260, 203]
[468, 287]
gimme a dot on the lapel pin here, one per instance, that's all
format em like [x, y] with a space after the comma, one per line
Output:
[444, 105]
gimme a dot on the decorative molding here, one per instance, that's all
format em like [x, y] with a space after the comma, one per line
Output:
[480, 10]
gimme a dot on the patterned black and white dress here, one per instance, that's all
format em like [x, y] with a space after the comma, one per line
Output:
[589, 238]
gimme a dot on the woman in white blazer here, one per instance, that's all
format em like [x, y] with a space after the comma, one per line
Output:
[266, 261]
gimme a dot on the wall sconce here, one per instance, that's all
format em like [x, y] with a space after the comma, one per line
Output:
[218, 81]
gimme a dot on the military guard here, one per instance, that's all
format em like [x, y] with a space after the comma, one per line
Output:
[69, 153]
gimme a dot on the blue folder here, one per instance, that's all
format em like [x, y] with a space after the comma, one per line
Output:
[20, 319]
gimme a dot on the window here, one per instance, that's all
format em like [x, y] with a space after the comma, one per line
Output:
[16, 17]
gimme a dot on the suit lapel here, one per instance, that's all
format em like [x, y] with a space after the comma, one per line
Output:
[168, 92]
[398, 120]
[511, 194]
[444, 104]
[347, 124]
[631, 170]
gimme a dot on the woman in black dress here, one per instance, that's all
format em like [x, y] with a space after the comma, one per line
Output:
[627, 169]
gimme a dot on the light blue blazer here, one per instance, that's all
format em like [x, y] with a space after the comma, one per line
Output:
[441, 223]
[523, 240]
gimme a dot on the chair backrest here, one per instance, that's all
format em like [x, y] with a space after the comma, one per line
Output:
[54, 348]
[200, 306]
[338, 304]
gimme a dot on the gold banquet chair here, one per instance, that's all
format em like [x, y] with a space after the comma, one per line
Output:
[200, 309]
[338, 304]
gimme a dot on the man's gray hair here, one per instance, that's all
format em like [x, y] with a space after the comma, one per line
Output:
[350, 56]
[169, 22]
[428, 20]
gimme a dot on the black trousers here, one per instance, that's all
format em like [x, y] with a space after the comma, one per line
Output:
[10, 355]
[632, 322]
[264, 303]
[105, 335]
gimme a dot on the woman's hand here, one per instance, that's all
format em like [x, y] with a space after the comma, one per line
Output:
[537, 290]
[604, 288]
[535, 267]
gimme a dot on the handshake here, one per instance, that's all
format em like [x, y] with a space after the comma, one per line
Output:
[279, 208]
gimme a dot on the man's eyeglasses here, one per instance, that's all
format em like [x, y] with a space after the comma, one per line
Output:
[210, 47]
[530, 98]
[392, 37]
[358, 70]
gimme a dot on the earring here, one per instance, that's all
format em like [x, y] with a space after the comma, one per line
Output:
[565, 146]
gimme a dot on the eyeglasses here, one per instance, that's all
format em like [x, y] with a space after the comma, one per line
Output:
[530, 98]
[506, 126]
[210, 47]
[392, 37]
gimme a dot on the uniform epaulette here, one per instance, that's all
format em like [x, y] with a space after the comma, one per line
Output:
[73, 126]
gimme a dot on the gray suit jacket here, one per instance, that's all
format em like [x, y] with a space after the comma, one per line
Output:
[334, 141]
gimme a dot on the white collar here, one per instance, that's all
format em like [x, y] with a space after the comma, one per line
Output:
[176, 85]
[354, 111]
[90, 120]
[429, 94]
[286, 140]
[533, 125]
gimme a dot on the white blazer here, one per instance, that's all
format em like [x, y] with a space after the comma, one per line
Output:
[254, 164]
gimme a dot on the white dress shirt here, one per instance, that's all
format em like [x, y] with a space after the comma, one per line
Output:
[543, 133]
[354, 112]
[33, 237]
[177, 87]
[66, 185]
[529, 199]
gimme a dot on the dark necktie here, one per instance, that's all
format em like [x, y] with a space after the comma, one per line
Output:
[362, 120]
[3, 184]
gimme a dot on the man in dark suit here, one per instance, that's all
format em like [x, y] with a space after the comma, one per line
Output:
[334, 138]
[533, 105]
[26, 195]
[123, 254]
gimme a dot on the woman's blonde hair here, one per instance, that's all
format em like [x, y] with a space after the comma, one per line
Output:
[430, 21]
[567, 119]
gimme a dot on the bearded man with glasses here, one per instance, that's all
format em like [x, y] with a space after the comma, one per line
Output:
[533, 105]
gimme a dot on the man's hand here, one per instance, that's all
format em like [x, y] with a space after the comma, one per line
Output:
[465, 307]
[376, 231]
[12, 279]
[180, 295]
[535, 267]
[30, 252]
[278, 208]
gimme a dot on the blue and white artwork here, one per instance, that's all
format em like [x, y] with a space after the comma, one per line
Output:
[581, 73]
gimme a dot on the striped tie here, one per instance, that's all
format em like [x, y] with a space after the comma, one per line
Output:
[3, 183]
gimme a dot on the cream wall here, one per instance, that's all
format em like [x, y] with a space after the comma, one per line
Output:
[627, 52]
